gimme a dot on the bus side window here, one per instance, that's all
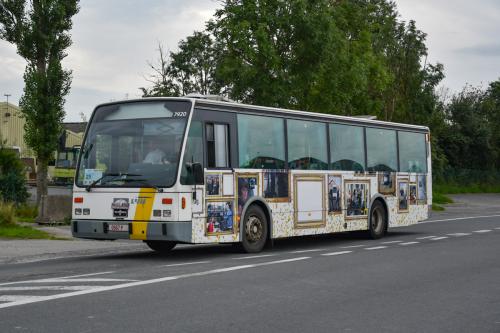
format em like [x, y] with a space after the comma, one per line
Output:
[217, 145]
[193, 152]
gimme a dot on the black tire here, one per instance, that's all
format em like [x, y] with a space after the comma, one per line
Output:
[255, 230]
[377, 226]
[161, 246]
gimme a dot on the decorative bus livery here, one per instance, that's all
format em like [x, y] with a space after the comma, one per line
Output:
[182, 170]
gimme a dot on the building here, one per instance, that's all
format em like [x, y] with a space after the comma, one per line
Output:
[12, 128]
[12, 134]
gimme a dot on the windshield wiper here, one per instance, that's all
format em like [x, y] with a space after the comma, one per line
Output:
[143, 181]
[114, 176]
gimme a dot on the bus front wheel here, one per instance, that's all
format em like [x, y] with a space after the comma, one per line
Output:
[161, 246]
[255, 230]
[378, 221]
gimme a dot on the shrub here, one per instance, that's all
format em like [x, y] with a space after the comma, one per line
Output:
[7, 214]
[12, 178]
[25, 210]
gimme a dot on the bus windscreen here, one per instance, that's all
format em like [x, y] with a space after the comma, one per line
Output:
[139, 141]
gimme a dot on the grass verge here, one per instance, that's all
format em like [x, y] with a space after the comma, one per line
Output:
[20, 232]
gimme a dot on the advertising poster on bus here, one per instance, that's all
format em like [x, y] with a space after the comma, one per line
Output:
[219, 217]
[356, 199]
[334, 194]
[276, 185]
[247, 188]
[403, 195]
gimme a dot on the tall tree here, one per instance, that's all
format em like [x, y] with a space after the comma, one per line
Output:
[189, 70]
[161, 79]
[40, 30]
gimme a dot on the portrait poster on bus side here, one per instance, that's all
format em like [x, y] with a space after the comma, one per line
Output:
[422, 189]
[219, 217]
[413, 194]
[213, 185]
[403, 195]
[356, 199]
[276, 185]
[247, 188]
[387, 183]
[334, 194]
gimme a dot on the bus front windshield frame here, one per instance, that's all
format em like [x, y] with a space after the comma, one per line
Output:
[134, 144]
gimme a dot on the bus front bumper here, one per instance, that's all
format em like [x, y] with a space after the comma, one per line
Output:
[101, 229]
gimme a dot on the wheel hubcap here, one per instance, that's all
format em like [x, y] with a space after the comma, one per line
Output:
[254, 229]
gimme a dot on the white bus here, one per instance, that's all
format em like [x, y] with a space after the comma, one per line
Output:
[182, 170]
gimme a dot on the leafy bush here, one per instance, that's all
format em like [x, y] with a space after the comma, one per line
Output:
[7, 214]
[12, 178]
[26, 210]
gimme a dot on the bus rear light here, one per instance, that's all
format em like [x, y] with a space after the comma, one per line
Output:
[167, 213]
[78, 211]
[166, 201]
[183, 205]
[86, 211]
[78, 200]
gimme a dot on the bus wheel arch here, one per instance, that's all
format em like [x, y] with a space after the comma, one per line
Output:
[255, 206]
[379, 213]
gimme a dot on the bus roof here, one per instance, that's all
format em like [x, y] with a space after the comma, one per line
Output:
[271, 111]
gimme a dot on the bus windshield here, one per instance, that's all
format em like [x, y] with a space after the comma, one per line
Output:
[134, 144]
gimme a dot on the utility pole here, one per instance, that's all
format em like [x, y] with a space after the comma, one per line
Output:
[7, 95]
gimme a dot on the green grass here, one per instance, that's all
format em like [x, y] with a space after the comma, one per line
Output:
[437, 208]
[20, 232]
[440, 198]
[26, 219]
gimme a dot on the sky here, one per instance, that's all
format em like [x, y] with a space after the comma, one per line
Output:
[114, 39]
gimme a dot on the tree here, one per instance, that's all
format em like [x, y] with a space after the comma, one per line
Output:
[189, 70]
[161, 79]
[39, 29]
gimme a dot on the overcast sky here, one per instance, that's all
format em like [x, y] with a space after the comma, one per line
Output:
[113, 40]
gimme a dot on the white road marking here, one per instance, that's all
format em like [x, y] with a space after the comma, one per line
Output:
[47, 288]
[376, 248]
[409, 243]
[255, 257]
[438, 238]
[351, 246]
[84, 275]
[280, 261]
[426, 237]
[461, 218]
[141, 283]
[62, 278]
[20, 298]
[336, 253]
[305, 251]
[391, 242]
[58, 280]
[186, 263]
[498, 228]
[482, 231]
[459, 234]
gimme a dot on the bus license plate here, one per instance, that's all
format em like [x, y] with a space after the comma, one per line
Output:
[118, 227]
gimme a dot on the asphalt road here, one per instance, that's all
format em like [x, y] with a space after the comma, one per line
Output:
[438, 276]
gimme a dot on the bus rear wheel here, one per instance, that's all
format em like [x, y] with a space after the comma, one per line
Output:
[378, 221]
[161, 246]
[255, 230]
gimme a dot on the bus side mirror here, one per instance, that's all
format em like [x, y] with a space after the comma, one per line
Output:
[197, 171]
